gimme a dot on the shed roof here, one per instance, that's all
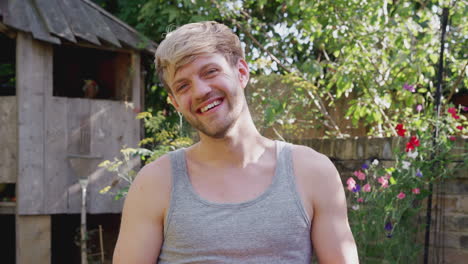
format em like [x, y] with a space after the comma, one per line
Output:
[71, 20]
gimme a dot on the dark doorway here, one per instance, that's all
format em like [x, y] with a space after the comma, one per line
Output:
[7, 66]
[66, 237]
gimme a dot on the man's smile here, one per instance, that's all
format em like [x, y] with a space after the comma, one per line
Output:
[210, 106]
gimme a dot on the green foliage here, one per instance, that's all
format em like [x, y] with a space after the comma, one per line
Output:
[362, 50]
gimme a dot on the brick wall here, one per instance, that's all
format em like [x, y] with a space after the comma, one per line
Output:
[349, 154]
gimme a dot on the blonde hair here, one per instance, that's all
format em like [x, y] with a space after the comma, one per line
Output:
[185, 44]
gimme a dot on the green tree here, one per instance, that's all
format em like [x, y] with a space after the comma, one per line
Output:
[327, 50]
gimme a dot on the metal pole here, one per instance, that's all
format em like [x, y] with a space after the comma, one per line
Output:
[438, 96]
[84, 255]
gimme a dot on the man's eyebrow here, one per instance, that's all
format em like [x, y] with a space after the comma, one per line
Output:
[211, 64]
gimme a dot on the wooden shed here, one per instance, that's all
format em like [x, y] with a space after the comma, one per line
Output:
[70, 86]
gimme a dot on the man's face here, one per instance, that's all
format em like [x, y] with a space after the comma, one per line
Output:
[209, 93]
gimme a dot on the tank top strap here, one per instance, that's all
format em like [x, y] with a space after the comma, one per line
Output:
[178, 166]
[178, 185]
[287, 177]
[283, 159]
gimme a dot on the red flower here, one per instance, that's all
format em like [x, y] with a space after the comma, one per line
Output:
[460, 127]
[452, 138]
[414, 142]
[453, 112]
[400, 130]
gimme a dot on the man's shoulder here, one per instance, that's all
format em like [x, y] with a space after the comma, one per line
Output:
[155, 176]
[156, 170]
[306, 159]
[316, 174]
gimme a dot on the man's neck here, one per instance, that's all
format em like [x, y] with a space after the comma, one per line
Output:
[242, 146]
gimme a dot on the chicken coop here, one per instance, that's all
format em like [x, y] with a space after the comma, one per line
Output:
[71, 83]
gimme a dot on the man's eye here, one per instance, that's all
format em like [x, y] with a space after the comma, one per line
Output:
[211, 71]
[181, 87]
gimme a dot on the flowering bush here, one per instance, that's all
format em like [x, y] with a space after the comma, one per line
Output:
[387, 211]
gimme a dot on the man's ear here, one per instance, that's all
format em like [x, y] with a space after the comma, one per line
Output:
[244, 72]
[173, 102]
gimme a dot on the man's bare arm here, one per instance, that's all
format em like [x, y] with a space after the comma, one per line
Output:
[141, 229]
[331, 235]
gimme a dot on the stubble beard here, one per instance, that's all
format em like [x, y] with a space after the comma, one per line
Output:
[220, 129]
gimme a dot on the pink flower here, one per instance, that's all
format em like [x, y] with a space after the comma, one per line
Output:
[366, 188]
[419, 108]
[409, 87]
[460, 127]
[452, 138]
[416, 191]
[351, 183]
[360, 200]
[360, 175]
[401, 195]
[383, 181]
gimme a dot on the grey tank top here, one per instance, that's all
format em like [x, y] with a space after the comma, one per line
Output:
[272, 228]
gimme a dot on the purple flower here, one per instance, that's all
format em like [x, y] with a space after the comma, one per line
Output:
[409, 87]
[357, 188]
[365, 166]
[419, 108]
[388, 226]
[465, 108]
[419, 173]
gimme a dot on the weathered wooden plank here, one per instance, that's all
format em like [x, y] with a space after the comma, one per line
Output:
[34, 73]
[37, 26]
[58, 174]
[108, 137]
[55, 19]
[8, 139]
[123, 34]
[8, 208]
[23, 16]
[15, 15]
[33, 239]
[123, 84]
[78, 115]
[106, 142]
[102, 30]
[3, 8]
[136, 80]
[77, 19]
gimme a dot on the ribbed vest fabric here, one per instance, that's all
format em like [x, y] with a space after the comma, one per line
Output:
[272, 228]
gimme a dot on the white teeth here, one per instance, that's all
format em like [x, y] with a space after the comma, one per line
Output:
[208, 107]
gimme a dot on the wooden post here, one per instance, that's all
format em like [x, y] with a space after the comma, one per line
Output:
[101, 244]
[33, 239]
[34, 74]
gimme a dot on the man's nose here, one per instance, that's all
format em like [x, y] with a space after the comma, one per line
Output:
[201, 89]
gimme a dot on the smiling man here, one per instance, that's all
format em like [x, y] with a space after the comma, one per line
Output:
[235, 196]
